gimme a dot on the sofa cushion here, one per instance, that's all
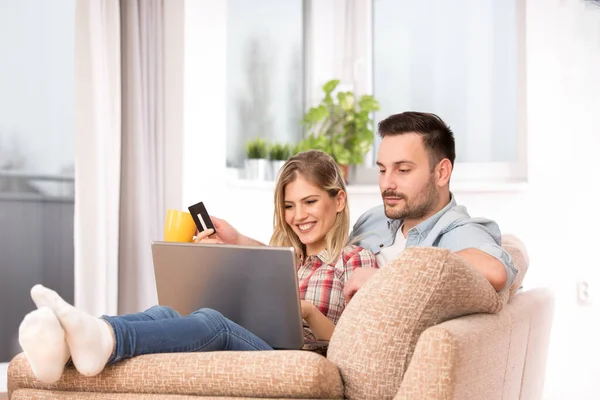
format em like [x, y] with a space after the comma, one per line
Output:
[376, 336]
[262, 374]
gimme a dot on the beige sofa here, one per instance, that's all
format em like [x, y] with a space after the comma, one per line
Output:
[426, 327]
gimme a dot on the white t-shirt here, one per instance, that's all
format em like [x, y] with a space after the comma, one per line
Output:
[392, 252]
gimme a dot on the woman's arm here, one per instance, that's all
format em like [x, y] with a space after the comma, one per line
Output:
[225, 234]
[320, 325]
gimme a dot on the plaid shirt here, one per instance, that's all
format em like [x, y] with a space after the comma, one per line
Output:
[322, 283]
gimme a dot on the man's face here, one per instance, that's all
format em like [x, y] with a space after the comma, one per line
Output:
[408, 185]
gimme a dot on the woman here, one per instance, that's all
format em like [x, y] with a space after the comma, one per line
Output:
[311, 215]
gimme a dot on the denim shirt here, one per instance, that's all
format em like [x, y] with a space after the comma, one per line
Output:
[451, 228]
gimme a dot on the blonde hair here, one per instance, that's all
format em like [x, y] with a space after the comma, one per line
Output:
[321, 170]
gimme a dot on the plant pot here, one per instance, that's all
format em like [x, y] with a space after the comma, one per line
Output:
[344, 169]
[276, 166]
[257, 169]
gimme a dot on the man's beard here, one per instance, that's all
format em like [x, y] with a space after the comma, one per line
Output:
[418, 207]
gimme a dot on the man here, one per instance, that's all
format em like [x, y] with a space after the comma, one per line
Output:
[415, 160]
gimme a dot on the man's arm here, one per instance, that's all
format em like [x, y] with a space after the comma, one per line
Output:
[491, 268]
[369, 228]
[477, 241]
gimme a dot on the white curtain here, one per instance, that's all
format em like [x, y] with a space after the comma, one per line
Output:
[338, 46]
[143, 158]
[97, 155]
[119, 200]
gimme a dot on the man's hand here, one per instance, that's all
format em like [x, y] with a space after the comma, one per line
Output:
[359, 277]
[307, 309]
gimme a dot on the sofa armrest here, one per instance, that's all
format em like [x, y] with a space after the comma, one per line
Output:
[268, 374]
[484, 356]
[471, 350]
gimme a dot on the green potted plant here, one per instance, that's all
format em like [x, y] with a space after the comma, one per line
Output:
[314, 142]
[278, 155]
[256, 163]
[341, 125]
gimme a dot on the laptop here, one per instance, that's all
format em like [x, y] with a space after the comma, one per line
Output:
[253, 286]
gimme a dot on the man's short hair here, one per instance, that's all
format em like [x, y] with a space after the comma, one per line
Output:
[438, 138]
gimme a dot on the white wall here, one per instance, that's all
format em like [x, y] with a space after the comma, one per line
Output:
[555, 214]
[560, 213]
[204, 129]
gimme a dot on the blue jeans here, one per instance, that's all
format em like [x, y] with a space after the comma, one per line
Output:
[162, 330]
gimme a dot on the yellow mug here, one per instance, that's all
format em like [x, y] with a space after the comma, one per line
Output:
[179, 227]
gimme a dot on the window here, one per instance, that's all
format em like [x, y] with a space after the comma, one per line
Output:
[265, 86]
[36, 157]
[460, 60]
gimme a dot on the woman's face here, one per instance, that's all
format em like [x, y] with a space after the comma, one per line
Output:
[310, 211]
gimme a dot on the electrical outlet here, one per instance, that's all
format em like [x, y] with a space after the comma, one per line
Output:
[584, 297]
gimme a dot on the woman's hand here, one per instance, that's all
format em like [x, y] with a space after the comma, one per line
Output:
[225, 233]
[321, 326]
[203, 237]
[307, 309]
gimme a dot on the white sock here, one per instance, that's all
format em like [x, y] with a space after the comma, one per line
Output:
[90, 339]
[41, 302]
[43, 340]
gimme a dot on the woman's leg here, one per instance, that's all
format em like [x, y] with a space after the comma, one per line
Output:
[94, 342]
[203, 330]
[154, 313]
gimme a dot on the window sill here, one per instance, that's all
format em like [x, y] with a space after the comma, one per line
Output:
[456, 187]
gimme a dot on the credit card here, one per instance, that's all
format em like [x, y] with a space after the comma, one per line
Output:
[201, 217]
